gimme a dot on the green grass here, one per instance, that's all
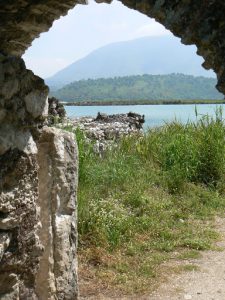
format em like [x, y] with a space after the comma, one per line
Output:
[151, 197]
[188, 255]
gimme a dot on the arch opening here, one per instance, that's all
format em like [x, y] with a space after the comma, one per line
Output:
[28, 171]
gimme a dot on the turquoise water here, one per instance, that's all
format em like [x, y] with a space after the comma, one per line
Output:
[155, 115]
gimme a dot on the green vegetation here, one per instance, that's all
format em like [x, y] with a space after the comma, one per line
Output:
[143, 102]
[150, 199]
[135, 89]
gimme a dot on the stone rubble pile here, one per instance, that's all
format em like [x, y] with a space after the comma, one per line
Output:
[105, 130]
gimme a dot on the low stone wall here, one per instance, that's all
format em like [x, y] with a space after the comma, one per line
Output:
[104, 130]
[109, 127]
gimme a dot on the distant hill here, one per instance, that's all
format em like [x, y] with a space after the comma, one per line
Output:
[141, 87]
[148, 55]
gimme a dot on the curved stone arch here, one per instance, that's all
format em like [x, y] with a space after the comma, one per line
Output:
[195, 22]
[38, 165]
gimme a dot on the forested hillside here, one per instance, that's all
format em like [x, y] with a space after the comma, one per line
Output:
[144, 87]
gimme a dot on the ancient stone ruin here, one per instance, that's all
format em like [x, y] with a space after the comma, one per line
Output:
[38, 179]
[38, 164]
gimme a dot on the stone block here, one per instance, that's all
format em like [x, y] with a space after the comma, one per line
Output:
[58, 177]
[37, 103]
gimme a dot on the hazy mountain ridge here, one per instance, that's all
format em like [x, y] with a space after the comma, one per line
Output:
[140, 87]
[148, 55]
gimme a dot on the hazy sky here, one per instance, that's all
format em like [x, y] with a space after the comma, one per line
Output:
[85, 28]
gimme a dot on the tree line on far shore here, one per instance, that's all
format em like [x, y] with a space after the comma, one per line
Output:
[140, 88]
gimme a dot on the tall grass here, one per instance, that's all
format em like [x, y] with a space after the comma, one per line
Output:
[151, 195]
[194, 152]
[113, 193]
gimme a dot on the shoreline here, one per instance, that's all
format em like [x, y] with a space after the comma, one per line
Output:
[159, 102]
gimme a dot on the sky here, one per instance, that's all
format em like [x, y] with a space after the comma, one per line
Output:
[84, 29]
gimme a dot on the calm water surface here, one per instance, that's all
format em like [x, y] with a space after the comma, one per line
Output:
[155, 115]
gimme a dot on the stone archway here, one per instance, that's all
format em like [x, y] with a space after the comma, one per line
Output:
[38, 165]
[198, 22]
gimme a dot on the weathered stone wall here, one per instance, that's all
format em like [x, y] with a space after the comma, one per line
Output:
[38, 181]
[57, 158]
[20, 95]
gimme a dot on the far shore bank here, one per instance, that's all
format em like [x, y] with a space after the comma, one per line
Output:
[157, 102]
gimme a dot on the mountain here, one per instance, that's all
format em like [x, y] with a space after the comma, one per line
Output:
[148, 55]
[141, 87]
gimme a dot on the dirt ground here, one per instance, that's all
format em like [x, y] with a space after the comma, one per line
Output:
[205, 282]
